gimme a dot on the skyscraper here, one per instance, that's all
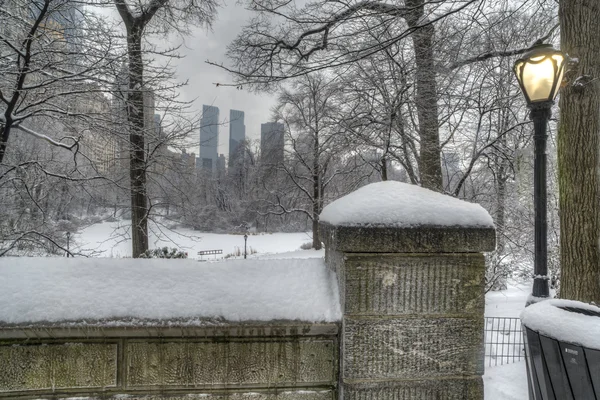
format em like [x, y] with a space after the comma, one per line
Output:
[158, 131]
[271, 143]
[237, 135]
[209, 138]
[221, 166]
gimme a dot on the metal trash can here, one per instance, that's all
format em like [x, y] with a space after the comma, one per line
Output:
[562, 346]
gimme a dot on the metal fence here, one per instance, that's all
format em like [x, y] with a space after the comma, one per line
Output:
[503, 341]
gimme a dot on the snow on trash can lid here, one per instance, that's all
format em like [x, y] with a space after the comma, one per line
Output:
[397, 204]
[565, 320]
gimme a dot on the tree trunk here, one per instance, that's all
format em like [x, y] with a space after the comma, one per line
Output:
[4, 134]
[502, 176]
[384, 175]
[500, 211]
[578, 147]
[430, 166]
[135, 114]
[316, 190]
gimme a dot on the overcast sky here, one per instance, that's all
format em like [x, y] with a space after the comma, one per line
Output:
[206, 44]
[203, 45]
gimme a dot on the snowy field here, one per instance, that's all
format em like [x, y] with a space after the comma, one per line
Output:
[502, 382]
[112, 239]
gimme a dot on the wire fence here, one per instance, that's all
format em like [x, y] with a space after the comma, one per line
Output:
[503, 341]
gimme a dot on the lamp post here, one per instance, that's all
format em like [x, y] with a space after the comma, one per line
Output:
[540, 73]
[68, 237]
[245, 244]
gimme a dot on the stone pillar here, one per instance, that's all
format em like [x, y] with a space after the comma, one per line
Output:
[412, 297]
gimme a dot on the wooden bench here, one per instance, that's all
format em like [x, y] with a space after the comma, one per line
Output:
[209, 252]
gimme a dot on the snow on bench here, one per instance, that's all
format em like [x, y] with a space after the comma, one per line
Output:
[123, 292]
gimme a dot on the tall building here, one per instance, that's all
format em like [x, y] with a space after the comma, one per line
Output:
[209, 138]
[271, 142]
[158, 131]
[188, 160]
[221, 166]
[98, 144]
[237, 135]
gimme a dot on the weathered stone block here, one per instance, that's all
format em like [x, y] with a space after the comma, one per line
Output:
[414, 284]
[421, 239]
[409, 348]
[55, 366]
[167, 328]
[468, 388]
[221, 364]
[255, 395]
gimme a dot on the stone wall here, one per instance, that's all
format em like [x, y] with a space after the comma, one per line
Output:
[412, 300]
[279, 361]
[413, 310]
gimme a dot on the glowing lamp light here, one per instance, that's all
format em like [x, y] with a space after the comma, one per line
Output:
[540, 73]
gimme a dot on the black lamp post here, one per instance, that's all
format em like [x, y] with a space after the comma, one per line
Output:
[68, 237]
[540, 73]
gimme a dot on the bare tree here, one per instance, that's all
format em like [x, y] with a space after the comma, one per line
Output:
[53, 67]
[325, 35]
[142, 19]
[378, 111]
[49, 51]
[317, 149]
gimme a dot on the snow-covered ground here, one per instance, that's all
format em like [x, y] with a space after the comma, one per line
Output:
[112, 239]
[507, 303]
[508, 381]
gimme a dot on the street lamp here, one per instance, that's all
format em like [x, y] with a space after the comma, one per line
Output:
[540, 72]
[68, 237]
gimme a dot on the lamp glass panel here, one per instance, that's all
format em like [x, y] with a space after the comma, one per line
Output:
[517, 68]
[559, 65]
[538, 78]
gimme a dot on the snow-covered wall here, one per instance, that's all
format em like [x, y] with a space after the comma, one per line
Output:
[130, 292]
[411, 273]
[395, 216]
[401, 205]
[395, 312]
[172, 329]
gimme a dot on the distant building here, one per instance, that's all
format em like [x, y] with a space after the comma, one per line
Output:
[97, 143]
[271, 143]
[158, 131]
[188, 160]
[150, 132]
[221, 166]
[209, 138]
[237, 135]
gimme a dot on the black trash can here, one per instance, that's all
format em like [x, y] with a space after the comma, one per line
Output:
[562, 345]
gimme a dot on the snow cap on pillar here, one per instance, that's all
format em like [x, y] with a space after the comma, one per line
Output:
[398, 217]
